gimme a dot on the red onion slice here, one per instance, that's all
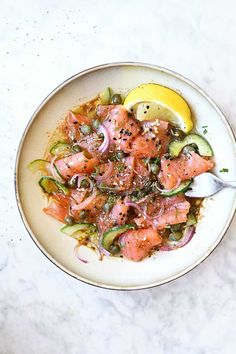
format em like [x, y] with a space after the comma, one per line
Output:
[187, 236]
[86, 202]
[128, 202]
[169, 190]
[106, 142]
[80, 178]
[143, 211]
[160, 212]
[103, 251]
[76, 252]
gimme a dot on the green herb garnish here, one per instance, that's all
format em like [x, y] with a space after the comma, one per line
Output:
[120, 167]
[224, 170]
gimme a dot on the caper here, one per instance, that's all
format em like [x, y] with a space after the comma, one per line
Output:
[72, 182]
[120, 155]
[156, 160]
[96, 124]
[116, 99]
[177, 133]
[76, 148]
[85, 129]
[188, 149]
[107, 207]
[175, 236]
[114, 249]
[154, 168]
[83, 214]
[84, 183]
[69, 220]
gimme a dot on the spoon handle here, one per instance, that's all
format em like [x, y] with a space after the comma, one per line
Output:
[230, 184]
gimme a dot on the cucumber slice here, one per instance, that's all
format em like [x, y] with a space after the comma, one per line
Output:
[191, 219]
[60, 148]
[105, 96]
[50, 185]
[175, 236]
[39, 165]
[204, 148]
[110, 235]
[80, 230]
[181, 189]
[57, 171]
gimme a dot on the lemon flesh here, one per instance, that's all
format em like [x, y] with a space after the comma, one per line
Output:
[153, 101]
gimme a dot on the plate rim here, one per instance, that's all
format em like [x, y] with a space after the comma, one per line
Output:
[17, 162]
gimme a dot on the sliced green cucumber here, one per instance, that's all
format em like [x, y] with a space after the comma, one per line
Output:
[51, 185]
[110, 235]
[204, 148]
[191, 219]
[39, 165]
[57, 171]
[105, 96]
[80, 230]
[181, 189]
[60, 148]
[175, 236]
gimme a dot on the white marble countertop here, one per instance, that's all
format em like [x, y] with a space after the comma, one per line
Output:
[43, 310]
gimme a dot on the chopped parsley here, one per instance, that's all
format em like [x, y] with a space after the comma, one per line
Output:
[205, 126]
[157, 160]
[120, 167]
[205, 131]
[224, 170]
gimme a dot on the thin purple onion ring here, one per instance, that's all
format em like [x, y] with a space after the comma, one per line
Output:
[106, 142]
[86, 201]
[128, 202]
[76, 249]
[169, 190]
[80, 178]
[160, 212]
[187, 236]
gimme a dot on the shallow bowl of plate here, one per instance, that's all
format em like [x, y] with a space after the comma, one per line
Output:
[114, 272]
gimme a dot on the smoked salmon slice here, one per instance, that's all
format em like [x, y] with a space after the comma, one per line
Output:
[77, 163]
[185, 167]
[137, 244]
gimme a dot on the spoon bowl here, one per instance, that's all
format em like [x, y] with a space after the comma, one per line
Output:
[206, 185]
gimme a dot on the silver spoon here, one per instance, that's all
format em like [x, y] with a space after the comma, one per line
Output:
[207, 184]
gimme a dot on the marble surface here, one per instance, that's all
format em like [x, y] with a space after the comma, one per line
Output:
[43, 310]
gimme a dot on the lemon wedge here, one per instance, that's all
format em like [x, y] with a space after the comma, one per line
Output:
[153, 101]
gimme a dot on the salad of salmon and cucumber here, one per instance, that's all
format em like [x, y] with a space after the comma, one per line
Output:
[117, 168]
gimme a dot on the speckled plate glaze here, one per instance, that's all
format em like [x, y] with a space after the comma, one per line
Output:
[117, 273]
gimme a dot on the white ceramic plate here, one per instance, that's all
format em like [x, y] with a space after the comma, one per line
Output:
[117, 273]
